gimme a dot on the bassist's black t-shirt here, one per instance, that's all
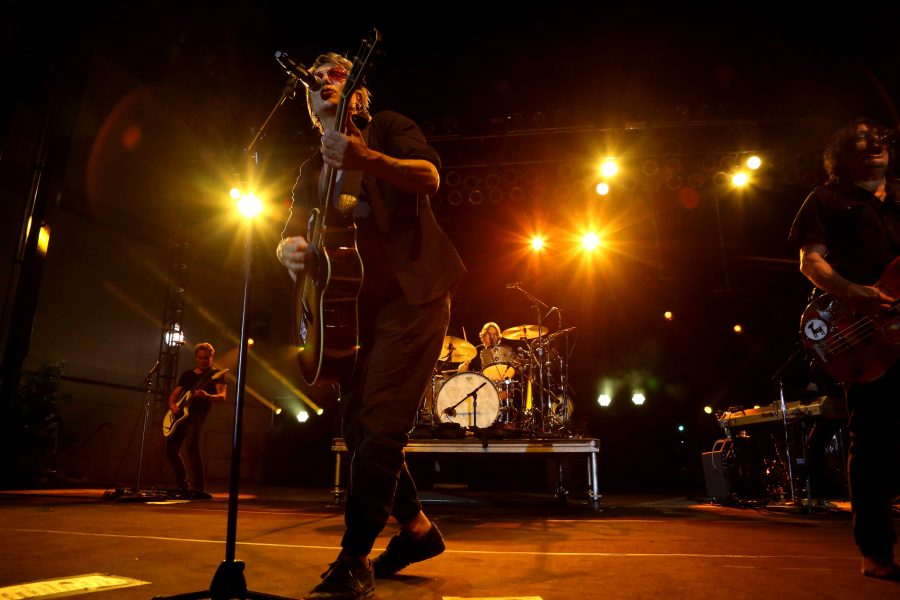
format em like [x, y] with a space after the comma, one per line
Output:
[191, 378]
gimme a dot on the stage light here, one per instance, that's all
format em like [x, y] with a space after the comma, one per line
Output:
[680, 428]
[604, 400]
[608, 168]
[673, 166]
[668, 316]
[175, 337]
[638, 398]
[739, 179]
[278, 411]
[43, 240]
[319, 411]
[250, 341]
[738, 328]
[753, 162]
[537, 243]
[707, 410]
[249, 205]
[602, 188]
[235, 193]
[303, 416]
[590, 241]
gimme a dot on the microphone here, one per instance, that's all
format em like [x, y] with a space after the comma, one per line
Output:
[515, 284]
[449, 411]
[296, 70]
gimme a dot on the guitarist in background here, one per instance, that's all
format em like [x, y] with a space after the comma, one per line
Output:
[848, 231]
[410, 269]
[187, 433]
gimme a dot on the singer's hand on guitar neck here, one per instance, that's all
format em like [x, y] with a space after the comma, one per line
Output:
[291, 252]
[345, 151]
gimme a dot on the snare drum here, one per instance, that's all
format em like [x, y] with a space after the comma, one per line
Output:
[498, 363]
[456, 400]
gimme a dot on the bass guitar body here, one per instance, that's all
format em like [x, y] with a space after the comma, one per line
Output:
[850, 346]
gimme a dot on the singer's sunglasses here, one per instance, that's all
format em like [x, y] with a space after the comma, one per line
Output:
[334, 74]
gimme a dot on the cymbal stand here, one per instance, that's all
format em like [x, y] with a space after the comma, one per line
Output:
[544, 400]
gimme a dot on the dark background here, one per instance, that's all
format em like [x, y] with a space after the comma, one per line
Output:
[148, 109]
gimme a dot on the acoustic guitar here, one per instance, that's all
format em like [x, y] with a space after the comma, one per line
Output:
[325, 318]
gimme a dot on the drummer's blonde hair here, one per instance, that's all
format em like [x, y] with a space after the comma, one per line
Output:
[487, 326]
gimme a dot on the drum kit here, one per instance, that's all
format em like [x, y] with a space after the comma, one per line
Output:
[521, 389]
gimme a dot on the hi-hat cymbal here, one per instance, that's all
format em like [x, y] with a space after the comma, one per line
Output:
[456, 349]
[523, 332]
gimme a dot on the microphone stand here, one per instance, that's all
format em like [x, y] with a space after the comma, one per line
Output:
[781, 411]
[135, 494]
[451, 410]
[228, 581]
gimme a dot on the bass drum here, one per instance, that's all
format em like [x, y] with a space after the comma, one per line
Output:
[456, 401]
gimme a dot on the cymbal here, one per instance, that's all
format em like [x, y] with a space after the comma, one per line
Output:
[454, 349]
[523, 332]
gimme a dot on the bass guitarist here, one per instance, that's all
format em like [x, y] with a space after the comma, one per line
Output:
[848, 232]
[204, 390]
[410, 268]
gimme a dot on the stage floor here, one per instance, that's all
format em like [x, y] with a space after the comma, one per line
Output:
[498, 545]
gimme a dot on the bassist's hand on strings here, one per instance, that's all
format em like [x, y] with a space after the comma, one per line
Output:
[291, 252]
[868, 299]
[345, 151]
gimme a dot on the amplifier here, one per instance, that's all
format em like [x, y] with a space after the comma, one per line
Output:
[718, 485]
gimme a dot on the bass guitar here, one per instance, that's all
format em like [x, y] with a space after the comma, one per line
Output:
[325, 319]
[850, 346]
[173, 418]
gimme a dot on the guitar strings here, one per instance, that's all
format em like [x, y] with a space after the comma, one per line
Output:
[855, 333]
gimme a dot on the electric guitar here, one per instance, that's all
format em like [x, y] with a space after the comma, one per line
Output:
[850, 346]
[173, 418]
[325, 319]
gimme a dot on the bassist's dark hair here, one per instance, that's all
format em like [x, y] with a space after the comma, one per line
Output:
[841, 147]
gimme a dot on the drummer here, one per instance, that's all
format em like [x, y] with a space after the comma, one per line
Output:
[492, 351]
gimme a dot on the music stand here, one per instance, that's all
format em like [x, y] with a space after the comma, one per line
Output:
[228, 581]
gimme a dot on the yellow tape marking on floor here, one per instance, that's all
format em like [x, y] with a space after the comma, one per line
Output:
[68, 586]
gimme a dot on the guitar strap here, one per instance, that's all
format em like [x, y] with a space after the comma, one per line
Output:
[200, 383]
[373, 194]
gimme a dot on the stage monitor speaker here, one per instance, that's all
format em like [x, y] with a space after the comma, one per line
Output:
[715, 472]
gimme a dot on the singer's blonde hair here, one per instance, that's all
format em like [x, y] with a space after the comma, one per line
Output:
[363, 96]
